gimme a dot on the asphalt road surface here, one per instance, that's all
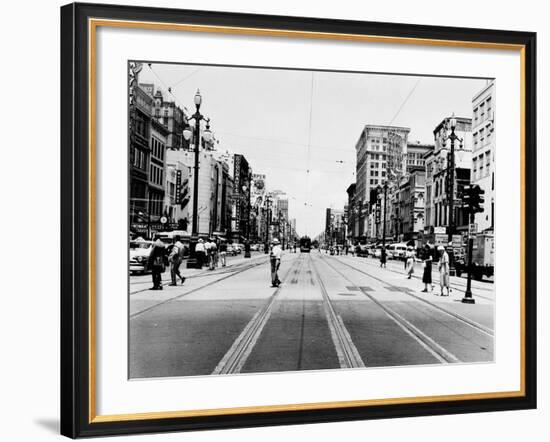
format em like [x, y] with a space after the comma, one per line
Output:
[330, 312]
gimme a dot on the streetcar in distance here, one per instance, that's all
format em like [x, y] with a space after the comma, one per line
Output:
[305, 244]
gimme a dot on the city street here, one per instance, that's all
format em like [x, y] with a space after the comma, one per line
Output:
[329, 312]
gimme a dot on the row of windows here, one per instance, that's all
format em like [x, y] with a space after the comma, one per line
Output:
[483, 136]
[483, 111]
[377, 147]
[375, 173]
[481, 165]
[377, 140]
[377, 156]
[377, 165]
[157, 149]
[137, 158]
[156, 175]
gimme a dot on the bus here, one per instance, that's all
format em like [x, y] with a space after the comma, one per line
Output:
[305, 244]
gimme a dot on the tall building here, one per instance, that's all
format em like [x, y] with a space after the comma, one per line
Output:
[211, 202]
[483, 155]
[335, 227]
[140, 133]
[411, 205]
[157, 169]
[170, 115]
[381, 156]
[352, 214]
[437, 175]
[242, 180]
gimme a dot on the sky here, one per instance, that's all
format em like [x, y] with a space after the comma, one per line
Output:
[299, 128]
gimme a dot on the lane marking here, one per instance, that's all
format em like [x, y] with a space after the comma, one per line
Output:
[455, 284]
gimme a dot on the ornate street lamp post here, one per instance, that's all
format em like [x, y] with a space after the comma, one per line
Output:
[451, 183]
[246, 195]
[195, 121]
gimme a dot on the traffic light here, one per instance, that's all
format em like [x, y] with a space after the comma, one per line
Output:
[473, 198]
[477, 199]
[466, 195]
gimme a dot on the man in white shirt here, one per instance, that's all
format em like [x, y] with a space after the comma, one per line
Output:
[200, 252]
[275, 259]
[175, 258]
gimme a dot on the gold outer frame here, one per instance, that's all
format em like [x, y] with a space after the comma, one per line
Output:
[93, 24]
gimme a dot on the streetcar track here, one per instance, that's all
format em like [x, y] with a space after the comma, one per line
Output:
[441, 353]
[196, 289]
[347, 353]
[235, 358]
[476, 325]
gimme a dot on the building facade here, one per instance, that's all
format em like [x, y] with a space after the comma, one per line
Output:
[242, 188]
[483, 155]
[157, 170]
[438, 177]
[140, 133]
[381, 156]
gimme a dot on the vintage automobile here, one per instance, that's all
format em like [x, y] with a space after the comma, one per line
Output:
[139, 254]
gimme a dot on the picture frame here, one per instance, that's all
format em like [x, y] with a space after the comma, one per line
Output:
[79, 49]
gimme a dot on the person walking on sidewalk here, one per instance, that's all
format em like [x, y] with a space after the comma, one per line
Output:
[223, 252]
[409, 262]
[212, 250]
[175, 258]
[275, 260]
[200, 253]
[427, 275]
[443, 270]
[383, 257]
[155, 263]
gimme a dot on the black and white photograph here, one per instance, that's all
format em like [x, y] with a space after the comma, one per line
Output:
[284, 220]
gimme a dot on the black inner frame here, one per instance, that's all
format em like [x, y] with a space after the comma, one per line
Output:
[75, 219]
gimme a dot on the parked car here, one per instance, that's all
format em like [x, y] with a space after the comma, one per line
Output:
[254, 247]
[397, 251]
[364, 250]
[234, 249]
[139, 254]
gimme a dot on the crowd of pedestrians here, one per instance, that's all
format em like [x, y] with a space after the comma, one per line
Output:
[209, 252]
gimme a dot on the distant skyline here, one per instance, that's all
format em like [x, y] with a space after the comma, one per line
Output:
[299, 128]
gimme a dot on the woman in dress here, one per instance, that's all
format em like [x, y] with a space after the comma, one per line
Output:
[383, 257]
[427, 275]
[443, 271]
[409, 262]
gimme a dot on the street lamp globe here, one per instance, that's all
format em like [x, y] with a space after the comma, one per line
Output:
[453, 122]
[187, 133]
[191, 122]
[198, 99]
[207, 134]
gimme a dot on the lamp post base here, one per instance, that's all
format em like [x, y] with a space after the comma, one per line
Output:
[468, 300]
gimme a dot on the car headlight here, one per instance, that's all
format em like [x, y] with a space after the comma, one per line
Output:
[139, 258]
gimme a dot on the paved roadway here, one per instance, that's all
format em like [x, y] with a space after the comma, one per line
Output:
[330, 312]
